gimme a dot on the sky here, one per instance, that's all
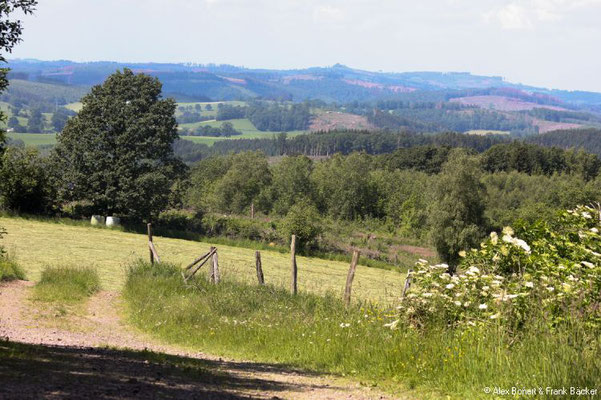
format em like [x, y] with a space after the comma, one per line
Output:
[547, 43]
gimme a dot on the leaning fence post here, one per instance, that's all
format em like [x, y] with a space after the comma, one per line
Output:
[350, 277]
[149, 228]
[260, 276]
[293, 284]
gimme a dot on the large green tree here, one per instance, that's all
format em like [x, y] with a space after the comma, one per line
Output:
[10, 34]
[457, 212]
[117, 152]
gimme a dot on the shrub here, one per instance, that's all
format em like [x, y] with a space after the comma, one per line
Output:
[548, 270]
[78, 209]
[10, 270]
[238, 228]
[24, 181]
[67, 284]
[181, 220]
[302, 220]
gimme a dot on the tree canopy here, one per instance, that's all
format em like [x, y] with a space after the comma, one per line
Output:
[117, 152]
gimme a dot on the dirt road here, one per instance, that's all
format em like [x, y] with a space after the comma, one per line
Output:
[92, 354]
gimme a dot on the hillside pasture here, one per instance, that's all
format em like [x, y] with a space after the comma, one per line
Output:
[110, 251]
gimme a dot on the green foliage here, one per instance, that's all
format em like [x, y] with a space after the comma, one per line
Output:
[181, 220]
[10, 270]
[67, 284]
[60, 118]
[24, 181]
[344, 188]
[291, 183]
[243, 183]
[304, 221]
[457, 212]
[117, 152]
[549, 271]
[532, 159]
[10, 35]
[35, 124]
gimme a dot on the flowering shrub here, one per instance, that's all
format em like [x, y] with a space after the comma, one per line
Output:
[551, 269]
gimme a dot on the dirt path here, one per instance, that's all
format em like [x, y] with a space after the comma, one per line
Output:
[98, 357]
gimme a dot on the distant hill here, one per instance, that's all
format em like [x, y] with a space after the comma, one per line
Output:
[339, 83]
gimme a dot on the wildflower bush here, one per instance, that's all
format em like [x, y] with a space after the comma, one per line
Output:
[550, 269]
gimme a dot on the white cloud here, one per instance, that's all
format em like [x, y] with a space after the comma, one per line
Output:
[527, 14]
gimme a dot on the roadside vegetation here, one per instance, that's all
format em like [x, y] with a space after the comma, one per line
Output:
[430, 343]
[10, 270]
[66, 284]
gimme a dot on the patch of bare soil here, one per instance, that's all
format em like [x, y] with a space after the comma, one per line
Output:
[99, 357]
[332, 120]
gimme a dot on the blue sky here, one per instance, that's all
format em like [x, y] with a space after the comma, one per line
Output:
[549, 43]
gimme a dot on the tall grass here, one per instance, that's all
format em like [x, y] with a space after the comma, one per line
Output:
[66, 284]
[319, 333]
[10, 270]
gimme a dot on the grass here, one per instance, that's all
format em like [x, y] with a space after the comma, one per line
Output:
[10, 270]
[319, 333]
[66, 284]
[110, 251]
[243, 125]
[34, 139]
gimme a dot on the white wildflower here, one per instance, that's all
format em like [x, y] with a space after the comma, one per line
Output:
[343, 325]
[529, 284]
[483, 306]
[450, 286]
[393, 324]
[587, 264]
[494, 238]
[508, 231]
[457, 303]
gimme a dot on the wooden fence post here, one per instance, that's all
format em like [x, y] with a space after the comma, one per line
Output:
[293, 284]
[252, 210]
[260, 276]
[350, 277]
[215, 276]
[149, 228]
[407, 283]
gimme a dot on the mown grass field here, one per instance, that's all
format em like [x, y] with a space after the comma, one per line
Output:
[36, 244]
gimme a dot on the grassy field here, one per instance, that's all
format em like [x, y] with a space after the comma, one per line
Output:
[110, 251]
[34, 139]
[243, 125]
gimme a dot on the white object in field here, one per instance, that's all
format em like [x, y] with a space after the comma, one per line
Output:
[113, 221]
[97, 220]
